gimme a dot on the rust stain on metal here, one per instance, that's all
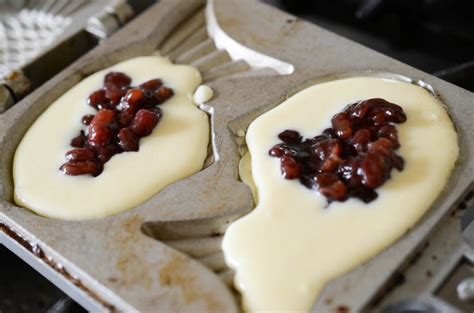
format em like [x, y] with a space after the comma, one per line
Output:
[133, 224]
[13, 75]
[134, 270]
[176, 274]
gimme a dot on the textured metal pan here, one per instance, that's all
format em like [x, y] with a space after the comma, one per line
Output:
[115, 263]
[30, 28]
[39, 38]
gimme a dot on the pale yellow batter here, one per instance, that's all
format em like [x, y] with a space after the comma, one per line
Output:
[291, 245]
[176, 149]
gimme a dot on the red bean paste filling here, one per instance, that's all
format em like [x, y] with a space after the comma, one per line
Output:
[352, 158]
[125, 114]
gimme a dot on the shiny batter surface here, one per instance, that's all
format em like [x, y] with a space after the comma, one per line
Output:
[176, 148]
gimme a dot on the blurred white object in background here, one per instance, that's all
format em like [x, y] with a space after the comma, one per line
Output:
[27, 27]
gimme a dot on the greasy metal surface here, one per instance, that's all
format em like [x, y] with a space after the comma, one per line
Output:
[104, 24]
[113, 264]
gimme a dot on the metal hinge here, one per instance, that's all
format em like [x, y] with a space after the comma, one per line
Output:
[115, 15]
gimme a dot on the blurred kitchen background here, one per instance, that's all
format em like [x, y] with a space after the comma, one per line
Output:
[436, 36]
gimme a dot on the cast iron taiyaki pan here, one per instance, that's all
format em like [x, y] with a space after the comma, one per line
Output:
[164, 255]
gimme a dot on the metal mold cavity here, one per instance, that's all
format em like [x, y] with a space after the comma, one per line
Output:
[201, 42]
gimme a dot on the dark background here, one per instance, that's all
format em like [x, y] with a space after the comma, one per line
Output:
[436, 36]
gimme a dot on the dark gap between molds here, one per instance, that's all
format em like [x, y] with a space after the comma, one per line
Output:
[39, 253]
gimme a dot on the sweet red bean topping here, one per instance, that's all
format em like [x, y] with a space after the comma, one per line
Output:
[73, 168]
[125, 114]
[144, 122]
[128, 141]
[114, 95]
[97, 98]
[106, 152]
[87, 119]
[331, 186]
[103, 117]
[126, 117]
[163, 94]
[81, 154]
[117, 80]
[134, 98]
[99, 135]
[352, 158]
[152, 85]
[79, 141]
[290, 168]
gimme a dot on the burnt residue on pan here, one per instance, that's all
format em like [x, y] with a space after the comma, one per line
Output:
[38, 252]
[175, 274]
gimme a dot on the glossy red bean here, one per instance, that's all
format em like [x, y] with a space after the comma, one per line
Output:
[128, 141]
[97, 98]
[144, 123]
[99, 135]
[81, 168]
[290, 168]
[152, 85]
[117, 79]
[79, 141]
[81, 154]
[163, 94]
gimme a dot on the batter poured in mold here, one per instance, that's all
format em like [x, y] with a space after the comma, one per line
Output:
[175, 149]
[293, 244]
